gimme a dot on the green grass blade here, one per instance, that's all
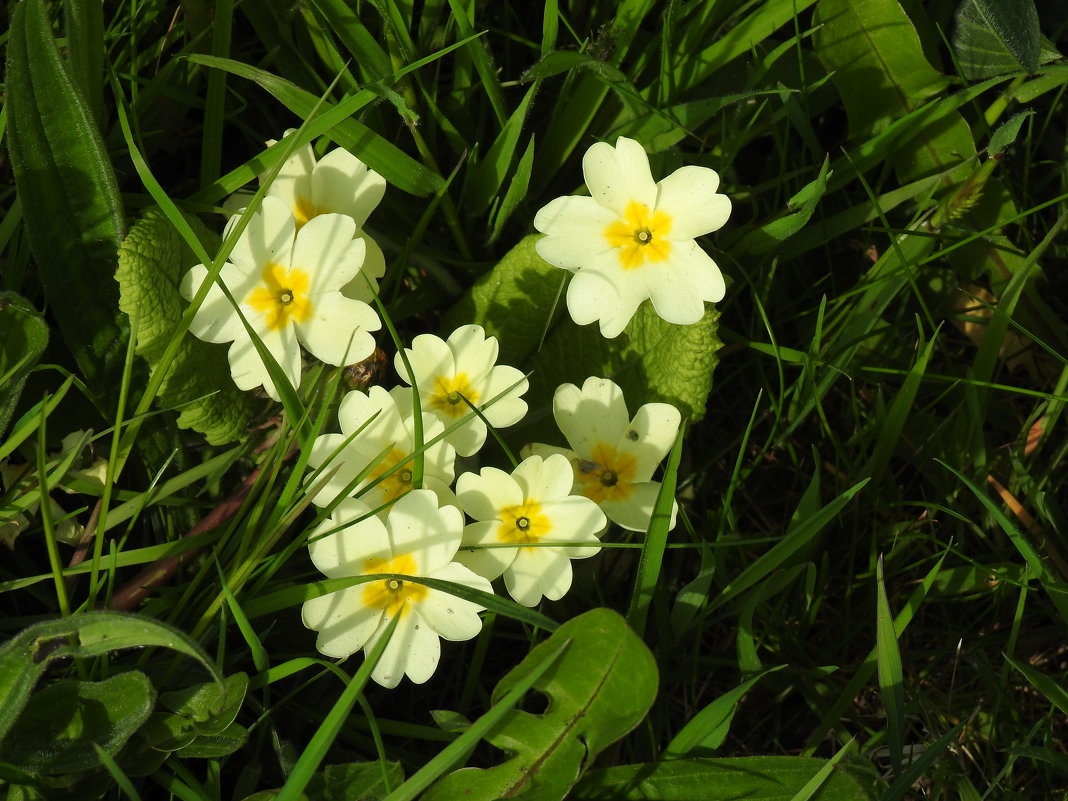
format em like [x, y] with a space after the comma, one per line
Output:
[652, 555]
[891, 679]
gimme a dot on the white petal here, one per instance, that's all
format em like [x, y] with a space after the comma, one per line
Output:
[635, 512]
[340, 546]
[326, 251]
[575, 519]
[248, 368]
[267, 239]
[543, 480]
[537, 572]
[439, 460]
[469, 438]
[489, 563]
[592, 416]
[689, 196]
[676, 300]
[650, 436]
[373, 268]
[619, 175]
[690, 263]
[338, 331]
[575, 227]
[545, 451]
[417, 526]
[508, 409]
[342, 183]
[375, 407]
[414, 649]
[482, 495]
[216, 320]
[454, 619]
[343, 621]
[474, 352]
[430, 358]
[605, 294]
[294, 178]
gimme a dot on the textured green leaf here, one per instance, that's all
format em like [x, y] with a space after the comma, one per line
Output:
[25, 656]
[598, 690]
[367, 781]
[213, 746]
[752, 778]
[652, 360]
[877, 62]
[23, 337]
[513, 301]
[208, 708]
[70, 200]
[994, 37]
[57, 729]
[152, 261]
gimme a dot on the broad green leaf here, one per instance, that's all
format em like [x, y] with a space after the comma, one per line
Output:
[57, 729]
[878, 65]
[368, 781]
[752, 778]
[994, 37]
[599, 690]
[652, 360]
[25, 657]
[512, 301]
[69, 198]
[213, 746]
[85, 39]
[185, 717]
[23, 337]
[152, 261]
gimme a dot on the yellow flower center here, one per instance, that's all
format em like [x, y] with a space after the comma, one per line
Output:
[607, 475]
[640, 236]
[304, 210]
[523, 524]
[283, 296]
[392, 595]
[449, 394]
[396, 483]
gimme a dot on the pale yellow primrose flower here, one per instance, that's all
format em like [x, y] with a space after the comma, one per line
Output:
[452, 373]
[288, 286]
[383, 428]
[634, 239]
[530, 510]
[415, 538]
[338, 183]
[614, 457]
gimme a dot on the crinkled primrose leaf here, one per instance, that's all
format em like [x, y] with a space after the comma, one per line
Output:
[513, 301]
[152, 260]
[652, 360]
